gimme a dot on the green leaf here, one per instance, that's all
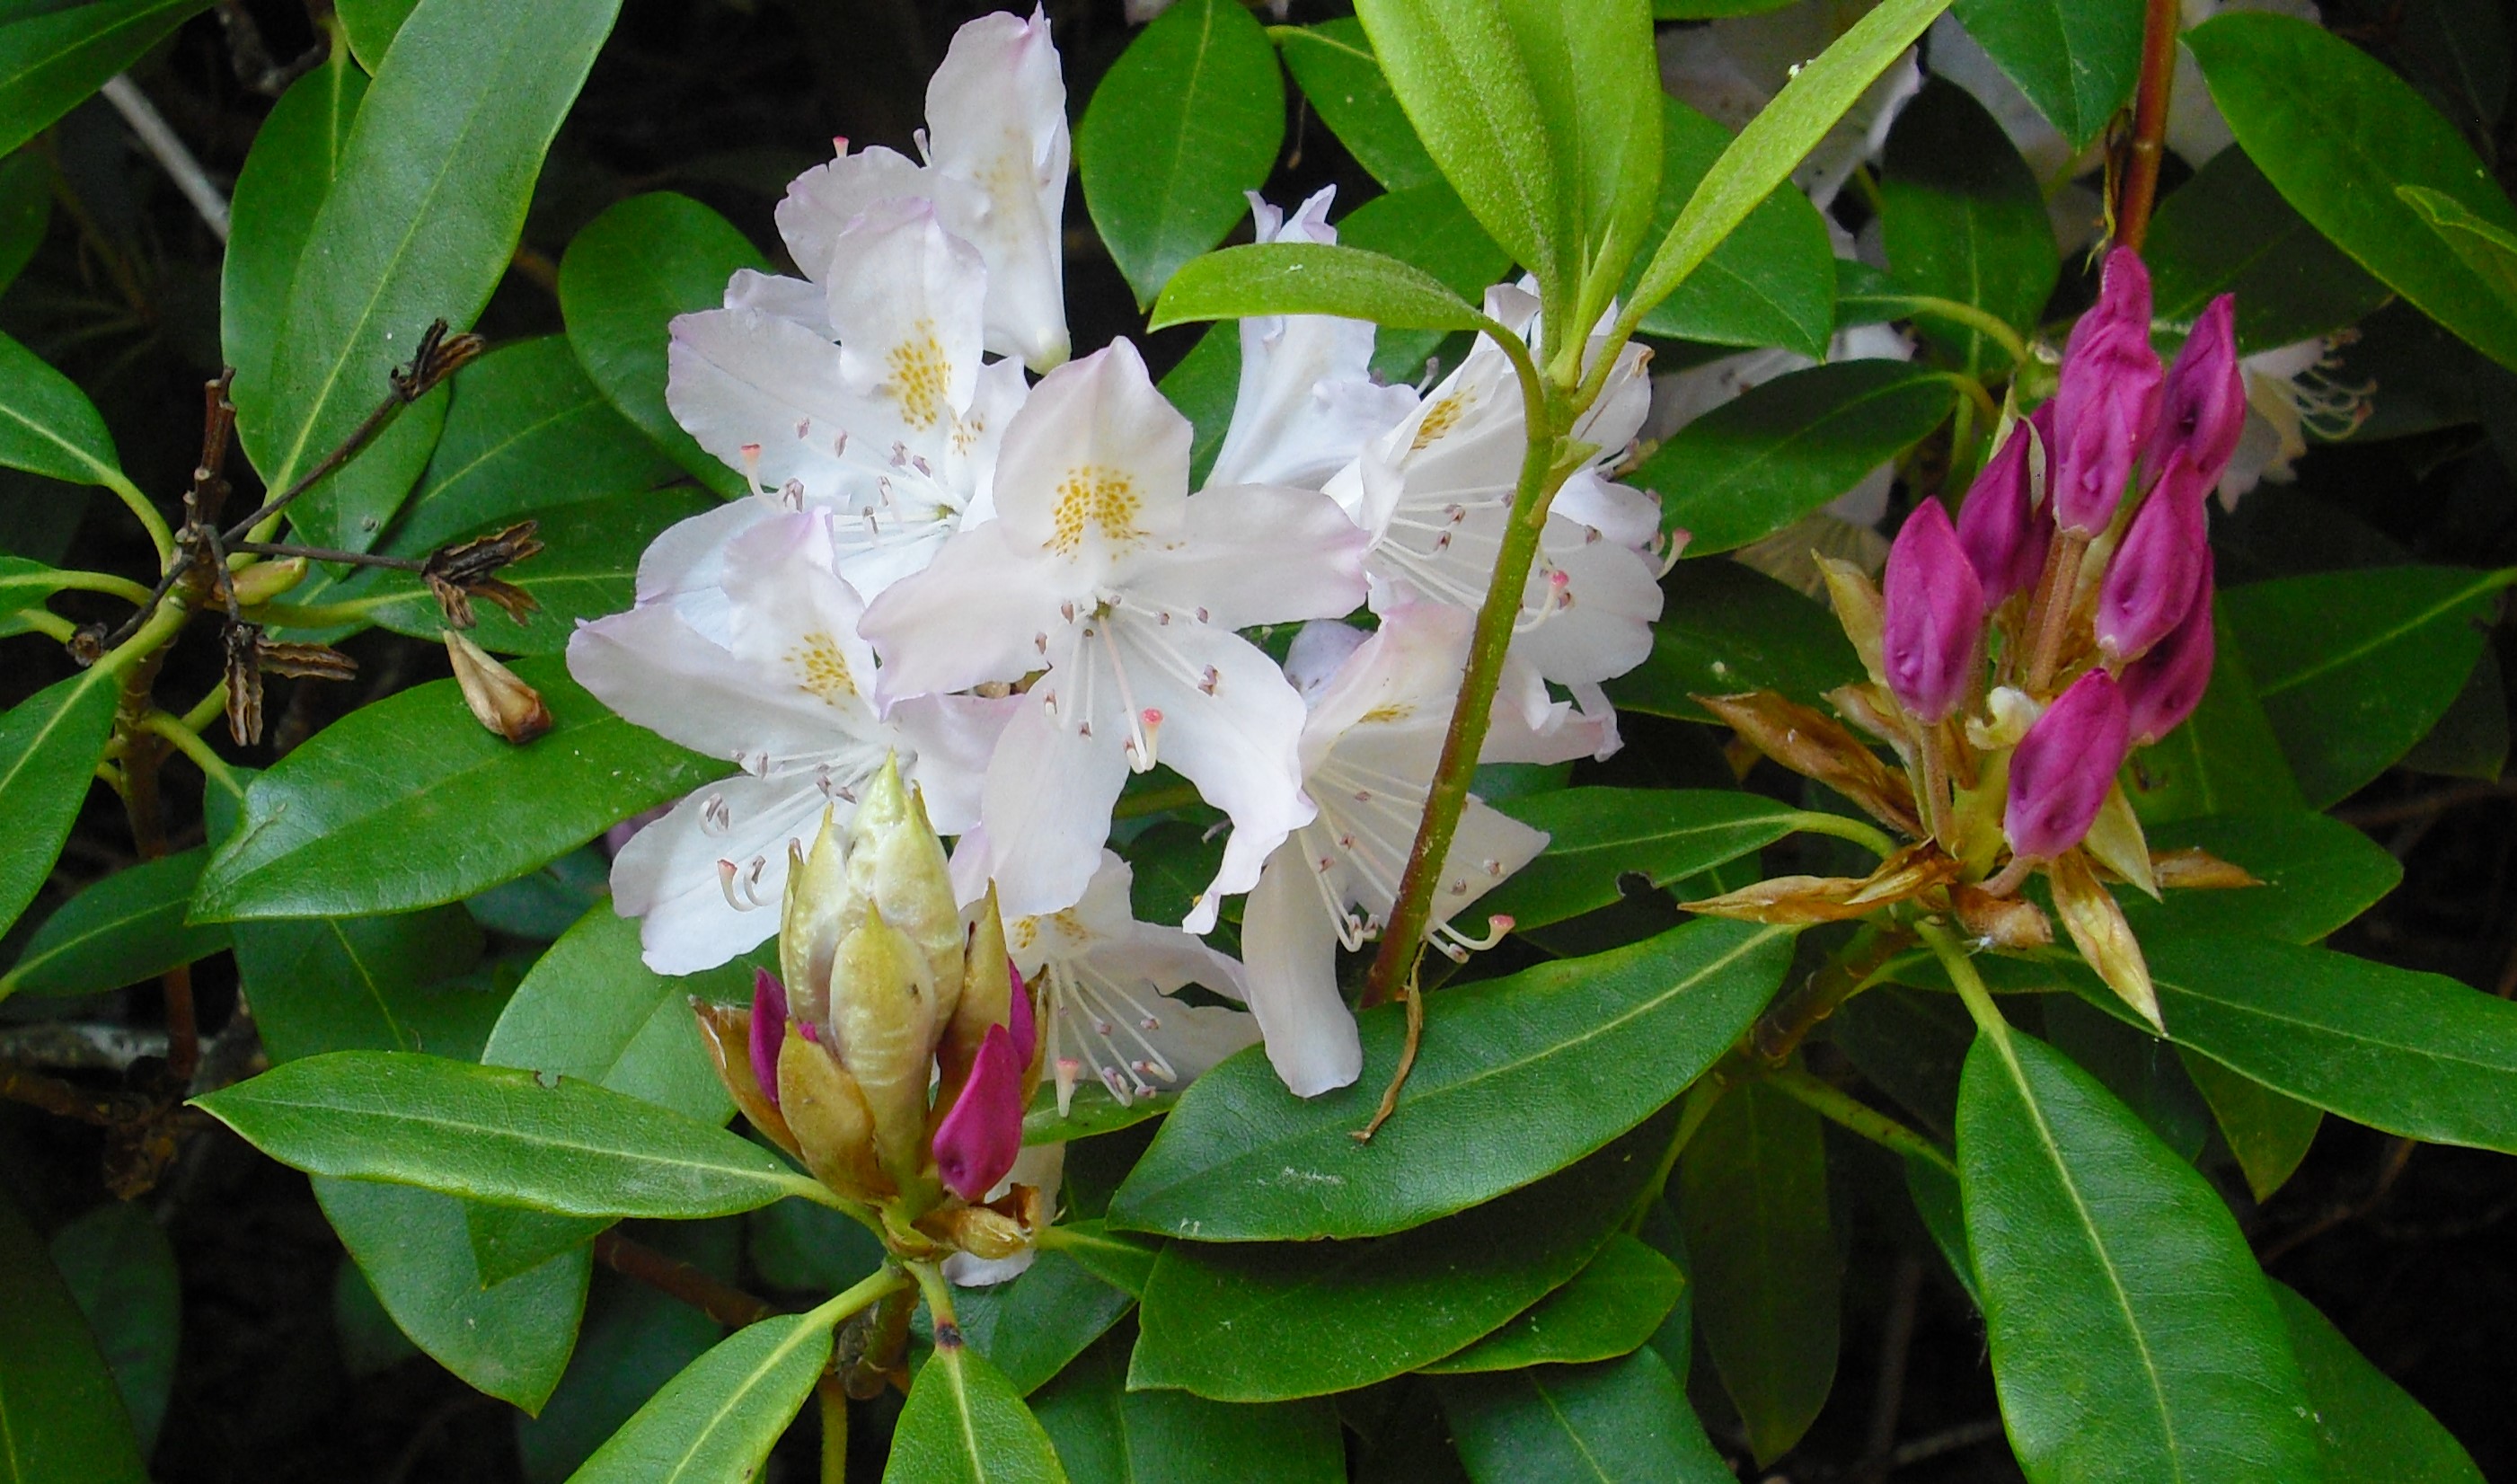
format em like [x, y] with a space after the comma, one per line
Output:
[295, 157]
[1726, 627]
[1935, 1194]
[2318, 873]
[2370, 1430]
[1202, 387]
[123, 929]
[1184, 122]
[2075, 60]
[1752, 1193]
[66, 1424]
[1092, 1111]
[2490, 250]
[964, 1421]
[117, 1265]
[623, 280]
[1426, 226]
[2225, 758]
[2269, 1133]
[54, 54]
[718, 1420]
[372, 25]
[2353, 667]
[1122, 1259]
[47, 424]
[2133, 1337]
[510, 1338]
[2228, 232]
[1782, 135]
[498, 1134]
[1530, 1073]
[1596, 78]
[590, 568]
[25, 210]
[1595, 837]
[1108, 1435]
[434, 180]
[50, 745]
[1275, 1321]
[1617, 1422]
[411, 802]
[2134, 1064]
[1031, 1326]
[1962, 219]
[1333, 66]
[377, 984]
[1771, 283]
[526, 432]
[1786, 447]
[1311, 278]
[1911, 1045]
[1608, 1309]
[2337, 132]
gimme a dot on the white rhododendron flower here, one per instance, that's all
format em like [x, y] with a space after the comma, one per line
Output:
[2291, 391]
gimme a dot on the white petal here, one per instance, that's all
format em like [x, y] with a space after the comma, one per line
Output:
[765, 395]
[1095, 465]
[955, 737]
[1528, 726]
[795, 299]
[906, 310]
[970, 617]
[667, 876]
[652, 668]
[1318, 648]
[1489, 847]
[1253, 554]
[1626, 516]
[1046, 806]
[690, 556]
[996, 113]
[821, 203]
[1290, 946]
[1611, 596]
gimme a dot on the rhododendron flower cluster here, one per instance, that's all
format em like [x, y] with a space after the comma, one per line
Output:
[1019, 591]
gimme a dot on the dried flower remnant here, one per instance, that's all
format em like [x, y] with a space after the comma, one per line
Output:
[499, 701]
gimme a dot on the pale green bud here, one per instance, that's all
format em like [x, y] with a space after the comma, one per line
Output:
[896, 863]
[882, 1015]
[816, 917]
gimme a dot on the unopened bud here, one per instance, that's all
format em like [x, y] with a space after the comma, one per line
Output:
[812, 922]
[1931, 616]
[768, 1029]
[2203, 406]
[986, 1002]
[2162, 688]
[2152, 578]
[502, 703]
[834, 1123]
[264, 581]
[882, 1016]
[726, 1033]
[977, 1144]
[2005, 530]
[2107, 400]
[896, 864]
[2062, 768]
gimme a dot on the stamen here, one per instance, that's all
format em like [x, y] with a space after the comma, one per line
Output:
[751, 466]
[793, 495]
[716, 816]
[804, 427]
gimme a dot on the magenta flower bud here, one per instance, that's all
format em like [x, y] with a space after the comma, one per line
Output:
[2162, 688]
[1931, 617]
[976, 1143]
[768, 1030]
[2004, 531]
[2151, 582]
[2064, 766]
[1025, 1030]
[2202, 408]
[2109, 398]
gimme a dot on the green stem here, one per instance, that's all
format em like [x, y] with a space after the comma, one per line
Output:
[48, 624]
[1841, 1108]
[834, 1430]
[160, 536]
[1969, 984]
[188, 741]
[73, 579]
[1700, 1099]
[208, 709]
[324, 614]
[1868, 837]
[939, 1297]
[1990, 325]
[865, 1292]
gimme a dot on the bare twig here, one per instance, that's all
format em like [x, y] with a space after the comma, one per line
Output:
[169, 151]
[719, 1301]
[2148, 124]
[2389, 1169]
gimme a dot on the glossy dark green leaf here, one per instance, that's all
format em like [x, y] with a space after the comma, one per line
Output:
[2487, 249]
[1620, 1421]
[449, 137]
[2228, 232]
[1726, 627]
[2337, 132]
[1031, 1326]
[633, 1343]
[123, 929]
[1962, 219]
[1333, 66]
[1608, 1309]
[2225, 758]
[1756, 464]
[1910, 1043]
[2132, 1335]
[371, 25]
[119, 1267]
[1529, 1073]
[1202, 387]
[525, 433]
[50, 745]
[2142, 1071]
[296, 157]
[2075, 60]
[1108, 1435]
[411, 802]
[1184, 122]
[47, 424]
[1122, 1259]
[1253, 1322]
[718, 1420]
[25, 210]
[380, 984]
[2318, 873]
[66, 1420]
[623, 280]
[1426, 226]
[2471, 738]
[1936, 1202]
[2370, 1430]
[497, 1134]
[53, 56]
[1311, 278]
[2353, 667]
[2268, 1133]
[1595, 837]
[1675, 1339]
[1771, 283]
[1752, 1193]
[965, 1423]
[510, 1337]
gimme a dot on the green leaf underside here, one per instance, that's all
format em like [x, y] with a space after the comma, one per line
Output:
[52, 56]
[1108, 1435]
[497, 1134]
[1311, 278]
[2269, 1133]
[123, 929]
[2132, 1335]
[1620, 1421]
[1606, 1310]
[1596, 836]
[411, 802]
[50, 745]
[1726, 627]
[2367, 1427]
[2075, 60]
[60, 1418]
[719, 1418]
[1277, 1321]
[121, 1269]
[966, 1424]
[2318, 873]
[1785, 448]
[1534, 1072]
